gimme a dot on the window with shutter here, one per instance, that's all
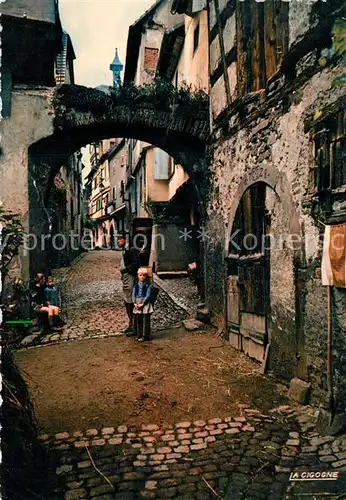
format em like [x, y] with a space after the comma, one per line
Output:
[262, 33]
[161, 165]
[330, 152]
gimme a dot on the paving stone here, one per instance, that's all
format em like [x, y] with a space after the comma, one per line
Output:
[318, 441]
[173, 455]
[74, 485]
[240, 419]
[187, 435]
[64, 469]
[299, 391]
[183, 425]
[76, 494]
[192, 325]
[210, 439]
[115, 441]
[175, 443]
[248, 428]
[108, 430]
[100, 490]
[325, 451]
[181, 449]
[216, 432]
[161, 468]
[91, 432]
[164, 449]
[234, 430]
[328, 458]
[215, 421]
[62, 435]
[151, 485]
[122, 429]
[202, 434]
[293, 442]
[198, 446]
[149, 439]
[339, 463]
[309, 449]
[98, 442]
[166, 437]
[84, 465]
[199, 423]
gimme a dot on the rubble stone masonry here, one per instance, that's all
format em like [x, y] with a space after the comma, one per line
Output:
[262, 137]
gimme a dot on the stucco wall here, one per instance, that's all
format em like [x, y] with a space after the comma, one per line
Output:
[156, 190]
[177, 180]
[192, 67]
[29, 122]
[41, 10]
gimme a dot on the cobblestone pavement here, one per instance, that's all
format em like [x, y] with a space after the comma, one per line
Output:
[247, 457]
[183, 292]
[92, 300]
[237, 458]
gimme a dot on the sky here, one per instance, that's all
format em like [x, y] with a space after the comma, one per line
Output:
[96, 27]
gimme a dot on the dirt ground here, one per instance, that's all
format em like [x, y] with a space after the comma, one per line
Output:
[112, 381]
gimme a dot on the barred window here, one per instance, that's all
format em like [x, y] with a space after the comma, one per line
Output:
[330, 152]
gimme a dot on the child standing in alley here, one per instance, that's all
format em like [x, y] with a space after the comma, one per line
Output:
[143, 307]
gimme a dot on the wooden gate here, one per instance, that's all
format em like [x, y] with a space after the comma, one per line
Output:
[248, 275]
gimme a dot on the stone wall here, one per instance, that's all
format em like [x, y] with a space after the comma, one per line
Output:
[274, 148]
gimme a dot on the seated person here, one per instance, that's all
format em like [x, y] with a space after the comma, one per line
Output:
[52, 303]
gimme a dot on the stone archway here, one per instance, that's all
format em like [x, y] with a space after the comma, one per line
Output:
[81, 116]
[285, 317]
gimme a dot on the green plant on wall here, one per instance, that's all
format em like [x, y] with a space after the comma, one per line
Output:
[337, 50]
[11, 238]
[88, 223]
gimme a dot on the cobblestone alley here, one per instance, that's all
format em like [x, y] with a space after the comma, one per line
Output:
[184, 416]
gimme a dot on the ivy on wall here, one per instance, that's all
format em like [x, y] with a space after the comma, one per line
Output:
[160, 94]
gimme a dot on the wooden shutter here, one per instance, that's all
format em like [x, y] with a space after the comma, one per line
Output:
[276, 34]
[161, 161]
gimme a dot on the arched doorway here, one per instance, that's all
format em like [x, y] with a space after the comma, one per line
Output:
[248, 273]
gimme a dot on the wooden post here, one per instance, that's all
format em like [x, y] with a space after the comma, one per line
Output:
[331, 401]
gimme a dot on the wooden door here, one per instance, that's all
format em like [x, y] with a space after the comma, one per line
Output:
[248, 275]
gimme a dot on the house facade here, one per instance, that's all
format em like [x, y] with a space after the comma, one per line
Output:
[277, 146]
[162, 202]
[37, 55]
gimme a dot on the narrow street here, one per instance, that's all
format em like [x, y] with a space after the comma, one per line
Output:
[177, 417]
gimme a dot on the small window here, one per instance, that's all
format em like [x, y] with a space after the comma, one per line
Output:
[330, 152]
[114, 193]
[196, 38]
[161, 165]
[150, 58]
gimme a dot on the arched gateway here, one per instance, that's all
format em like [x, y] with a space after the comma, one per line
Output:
[263, 256]
[80, 116]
